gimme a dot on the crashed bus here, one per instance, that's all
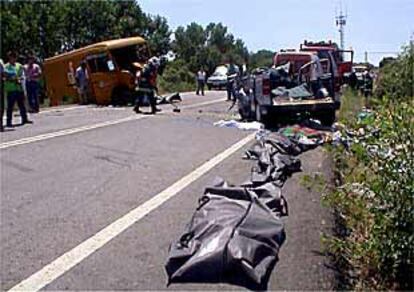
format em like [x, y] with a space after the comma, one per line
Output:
[111, 66]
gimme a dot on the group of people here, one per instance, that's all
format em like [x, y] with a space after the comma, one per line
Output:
[19, 82]
[365, 84]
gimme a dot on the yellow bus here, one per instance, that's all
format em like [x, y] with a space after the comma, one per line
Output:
[111, 66]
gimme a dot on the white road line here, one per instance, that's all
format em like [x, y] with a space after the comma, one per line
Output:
[58, 109]
[68, 260]
[76, 107]
[66, 132]
[204, 103]
[64, 108]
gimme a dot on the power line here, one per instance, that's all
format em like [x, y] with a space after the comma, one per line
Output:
[384, 53]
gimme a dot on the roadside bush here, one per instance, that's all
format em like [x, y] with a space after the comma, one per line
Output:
[396, 79]
[374, 199]
[176, 78]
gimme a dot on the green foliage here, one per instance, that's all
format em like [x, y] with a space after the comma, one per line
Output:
[262, 58]
[351, 103]
[208, 47]
[53, 27]
[375, 197]
[316, 182]
[176, 78]
[396, 79]
[158, 34]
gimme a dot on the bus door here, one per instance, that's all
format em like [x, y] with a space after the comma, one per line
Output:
[102, 77]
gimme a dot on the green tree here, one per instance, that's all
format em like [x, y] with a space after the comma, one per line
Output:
[51, 27]
[396, 79]
[208, 47]
[262, 58]
[158, 34]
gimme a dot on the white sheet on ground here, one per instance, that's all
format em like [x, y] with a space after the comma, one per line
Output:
[248, 126]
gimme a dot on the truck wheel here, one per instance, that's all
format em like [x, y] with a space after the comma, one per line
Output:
[328, 118]
[209, 87]
[121, 97]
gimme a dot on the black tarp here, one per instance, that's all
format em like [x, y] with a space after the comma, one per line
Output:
[236, 232]
[233, 237]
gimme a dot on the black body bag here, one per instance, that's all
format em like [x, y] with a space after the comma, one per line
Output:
[233, 237]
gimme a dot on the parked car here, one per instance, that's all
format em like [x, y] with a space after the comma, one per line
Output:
[219, 78]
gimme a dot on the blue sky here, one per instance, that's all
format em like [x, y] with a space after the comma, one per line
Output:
[373, 25]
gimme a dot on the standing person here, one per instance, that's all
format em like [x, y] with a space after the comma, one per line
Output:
[1, 95]
[82, 82]
[138, 72]
[201, 80]
[232, 73]
[148, 85]
[14, 90]
[367, 86]
[315, 75]
[353, 80]
[33, 74]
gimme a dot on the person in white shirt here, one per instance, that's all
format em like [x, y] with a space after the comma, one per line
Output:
[201, 80]
[315, 74]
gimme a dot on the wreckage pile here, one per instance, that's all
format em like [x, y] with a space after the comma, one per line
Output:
[236, 232]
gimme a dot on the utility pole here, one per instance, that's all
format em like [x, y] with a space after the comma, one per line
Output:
[341, 23]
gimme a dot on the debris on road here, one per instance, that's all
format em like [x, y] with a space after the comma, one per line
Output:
[248, 126]
[236, 232]
[170, 99]
[305, 136]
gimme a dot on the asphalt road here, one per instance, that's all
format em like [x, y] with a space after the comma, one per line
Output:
[79, 169]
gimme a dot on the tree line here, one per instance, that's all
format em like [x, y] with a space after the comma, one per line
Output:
[51, 27]
[47, 28]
